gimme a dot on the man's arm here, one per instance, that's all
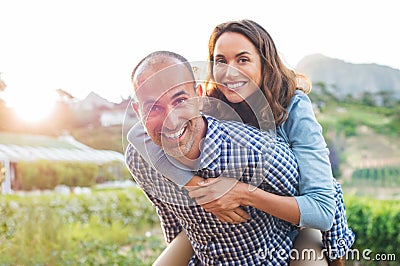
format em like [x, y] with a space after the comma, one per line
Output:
[142, 174]
[169, 222]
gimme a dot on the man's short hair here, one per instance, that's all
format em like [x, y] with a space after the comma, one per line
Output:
[158, 57]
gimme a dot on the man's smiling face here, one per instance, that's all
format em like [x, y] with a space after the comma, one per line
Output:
[169, 108]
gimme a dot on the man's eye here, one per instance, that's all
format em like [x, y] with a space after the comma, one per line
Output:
[179, 101]
[153, 110]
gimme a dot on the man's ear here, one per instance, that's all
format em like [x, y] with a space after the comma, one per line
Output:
[135, 108]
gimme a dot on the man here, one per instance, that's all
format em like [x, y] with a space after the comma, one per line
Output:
[169, 108]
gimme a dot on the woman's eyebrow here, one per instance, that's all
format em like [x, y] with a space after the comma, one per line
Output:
[243, 53]
[237, 55]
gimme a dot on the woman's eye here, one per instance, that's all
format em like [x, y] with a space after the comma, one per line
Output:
[243, 60]
[219, 61]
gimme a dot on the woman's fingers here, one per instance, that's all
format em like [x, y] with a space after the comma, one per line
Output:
[242, 213]
[234, 216]
[212, 190]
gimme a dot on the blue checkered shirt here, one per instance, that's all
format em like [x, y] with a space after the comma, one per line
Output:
[338, 240]
[235, 150]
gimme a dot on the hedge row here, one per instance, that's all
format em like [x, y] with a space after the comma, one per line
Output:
[376, 224]
[387, 176]
[47, 175]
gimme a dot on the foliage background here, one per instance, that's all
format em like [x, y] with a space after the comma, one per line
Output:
[106, 227]
[121, 227]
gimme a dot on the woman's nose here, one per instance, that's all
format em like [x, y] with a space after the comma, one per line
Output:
[231, 71]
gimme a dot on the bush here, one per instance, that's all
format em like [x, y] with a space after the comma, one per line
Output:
[349, 126]
[113, 227]
[109, 228]
[112, 171]
[376, 224]
[47, 175]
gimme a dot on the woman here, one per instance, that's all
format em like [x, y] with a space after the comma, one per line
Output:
[244, 47]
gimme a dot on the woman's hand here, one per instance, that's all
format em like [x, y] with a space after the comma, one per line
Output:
[235, 216]
[221, 196]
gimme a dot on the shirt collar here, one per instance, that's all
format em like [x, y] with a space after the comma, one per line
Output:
[211, 146]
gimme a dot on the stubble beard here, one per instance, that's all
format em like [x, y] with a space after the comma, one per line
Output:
[185, 148]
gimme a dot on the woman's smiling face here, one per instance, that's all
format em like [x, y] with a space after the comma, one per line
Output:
[237, 66]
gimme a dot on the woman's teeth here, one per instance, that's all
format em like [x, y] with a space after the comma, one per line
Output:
[233, 86]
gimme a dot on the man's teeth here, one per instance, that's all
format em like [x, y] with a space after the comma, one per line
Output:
[233, 86]
[176, 134]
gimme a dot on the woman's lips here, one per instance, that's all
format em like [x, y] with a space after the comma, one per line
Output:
[234, 85]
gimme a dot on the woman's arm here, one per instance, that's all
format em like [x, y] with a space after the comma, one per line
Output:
[156, 157]
[304, 134]
[224, 193]
[175, 171]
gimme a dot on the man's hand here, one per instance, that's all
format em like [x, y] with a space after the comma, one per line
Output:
[222, 197]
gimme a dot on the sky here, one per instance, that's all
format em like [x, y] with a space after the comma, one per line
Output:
[85, 45]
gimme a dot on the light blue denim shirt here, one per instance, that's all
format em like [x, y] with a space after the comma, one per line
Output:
[304, 135]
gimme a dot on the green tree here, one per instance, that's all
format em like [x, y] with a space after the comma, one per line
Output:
[368, 99]
[386, 98]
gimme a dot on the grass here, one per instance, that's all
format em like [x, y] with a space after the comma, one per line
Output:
[369, 140]
[361, 115]
[368, 148]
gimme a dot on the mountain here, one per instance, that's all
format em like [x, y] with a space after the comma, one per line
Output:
[343, 78]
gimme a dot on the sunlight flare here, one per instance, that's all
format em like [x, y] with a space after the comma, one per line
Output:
[33, 107]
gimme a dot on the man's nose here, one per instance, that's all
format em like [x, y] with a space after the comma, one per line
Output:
[172, 121]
